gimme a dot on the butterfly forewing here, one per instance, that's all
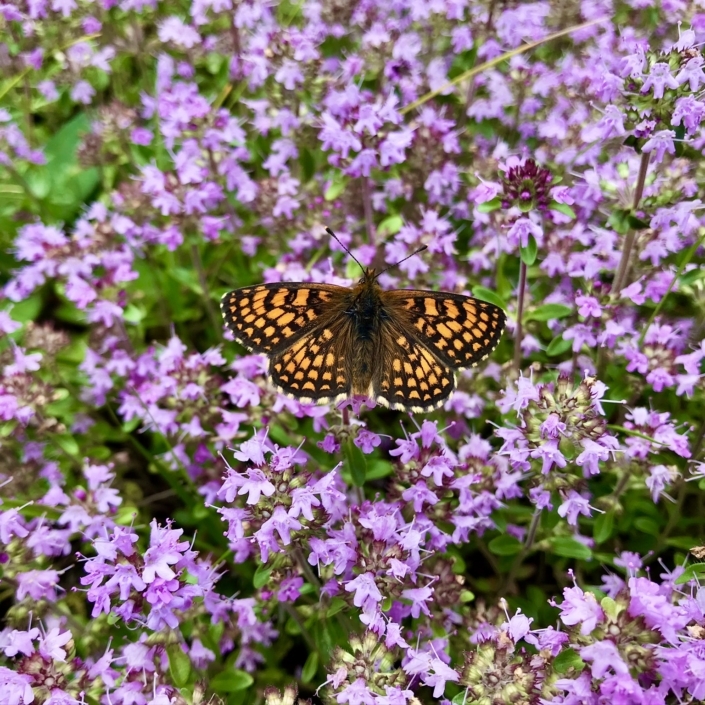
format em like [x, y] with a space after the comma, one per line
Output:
[270, 317]
[459, 330]
[409, 376]
[316, 368]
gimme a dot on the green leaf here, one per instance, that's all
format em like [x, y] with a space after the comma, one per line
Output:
[261, 577]
[391, 225]
[308, 165]
[636, 223]
[647, 526]
[62, 183]
[684, 542]
[479, 292]
[558, 346]
[335, 189]
[569, 547]
[26, 310]
[7, 428]
[549, 312]
[68, 444]
[213, 62]
[619, 220]
[179, 665]
[489, 206]
[610, 608]
[377, 469]
[604, 524]
[74, 352]
[355, 462]
[568, 659]
[528, 253]
[563, 208]
[695, 571]
[504, 545]
[633, 142]
[308, 672]
[134, 314]
[231, 681]
[187, 277]
[336, 605]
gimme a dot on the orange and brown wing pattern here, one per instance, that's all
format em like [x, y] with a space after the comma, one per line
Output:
[316, 368]
[410, 377]
[269, 317]
[459, 330]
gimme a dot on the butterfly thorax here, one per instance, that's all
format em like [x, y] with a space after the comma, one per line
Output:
[365, 307]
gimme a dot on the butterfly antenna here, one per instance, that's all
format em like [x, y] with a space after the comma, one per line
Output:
[391, 266]
[337, 239]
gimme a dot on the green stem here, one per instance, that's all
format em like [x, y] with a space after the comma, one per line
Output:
[215, 319]
[306, 568]
[526, 548]
[623, 270]
[520, 315]
[628, 431]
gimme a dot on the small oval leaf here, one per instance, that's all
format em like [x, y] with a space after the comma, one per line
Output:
[604, 525]
[549, 312]
[504, 545]
[566, 660]
[179, 665]
[261, 577]
[308, 672]
[558, 346]
[528, 253]
[479, 292]
[231, 681]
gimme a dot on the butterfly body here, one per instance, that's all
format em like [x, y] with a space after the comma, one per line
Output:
[326, 343]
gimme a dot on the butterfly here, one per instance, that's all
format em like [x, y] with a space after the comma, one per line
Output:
[326, 343]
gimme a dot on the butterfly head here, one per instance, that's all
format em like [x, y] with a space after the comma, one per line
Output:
[369, 274]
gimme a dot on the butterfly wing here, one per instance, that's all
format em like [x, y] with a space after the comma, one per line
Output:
[409, 377]
[316, 368]
[268, 318]
[459, 330]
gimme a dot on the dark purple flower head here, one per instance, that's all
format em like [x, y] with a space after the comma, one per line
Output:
[526, 186]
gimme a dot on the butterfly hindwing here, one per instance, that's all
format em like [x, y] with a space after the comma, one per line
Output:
[459, 330]
[269, 317]
[316, 368]
[409, 376]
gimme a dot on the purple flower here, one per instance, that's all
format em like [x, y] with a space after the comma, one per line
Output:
[629, 560]
[660, 143]
[13, 642]
[174, 30]
[604, 656]
[366, 440]
[50, 644]
[357, 693]
[588, 306]
[290, 589]
[367, 595]
[15, 688]
[580, 607]
[165, 550]
[82, 92]
[573, 505]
